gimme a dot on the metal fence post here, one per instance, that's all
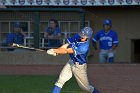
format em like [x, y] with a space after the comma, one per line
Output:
[82, 21]
[36, 33]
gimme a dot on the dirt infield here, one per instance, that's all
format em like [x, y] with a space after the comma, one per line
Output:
[109, 78]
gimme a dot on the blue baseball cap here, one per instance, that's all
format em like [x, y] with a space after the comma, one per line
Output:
[107, 22]
[17, 24]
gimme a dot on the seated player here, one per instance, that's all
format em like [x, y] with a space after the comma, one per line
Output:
[77, 47]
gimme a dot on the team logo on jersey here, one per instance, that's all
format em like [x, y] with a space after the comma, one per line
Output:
[39, 2]
[47, 1]
[92, 2]
[137, 1]
[21, 2]
[106, 38]
[111, 2]
[120, 1]
[13, 1]
[57, 2]
[30, 2]
[3, 2]
[102, 1]
[66, 2]
[83, 2]
[129, 1]
[75, 2]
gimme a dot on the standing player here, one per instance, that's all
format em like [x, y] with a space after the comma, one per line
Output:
[77, 47]
[108, 41]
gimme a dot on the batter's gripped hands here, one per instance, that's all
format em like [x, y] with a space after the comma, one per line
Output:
[51, 52]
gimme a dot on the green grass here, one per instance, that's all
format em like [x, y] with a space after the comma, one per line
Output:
[34, 84]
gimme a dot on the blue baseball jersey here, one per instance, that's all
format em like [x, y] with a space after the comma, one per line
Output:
[15, 38]
[54, 32]
[80, 49]
[106, 39]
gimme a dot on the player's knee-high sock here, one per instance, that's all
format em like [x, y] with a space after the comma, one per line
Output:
[111, 59]
[95, 91]
[56, 89]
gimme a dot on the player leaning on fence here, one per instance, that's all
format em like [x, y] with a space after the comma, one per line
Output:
[16, 36]
[77, 47]
[53, 34]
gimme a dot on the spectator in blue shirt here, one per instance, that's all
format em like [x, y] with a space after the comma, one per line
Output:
[17, 36]
[108, 41]
[53, 34]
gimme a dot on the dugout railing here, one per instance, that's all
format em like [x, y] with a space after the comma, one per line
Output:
[34, 20]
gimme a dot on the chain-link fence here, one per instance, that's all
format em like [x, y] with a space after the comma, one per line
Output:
[34, 21]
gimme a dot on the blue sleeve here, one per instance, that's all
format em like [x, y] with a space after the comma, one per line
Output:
[58, 30]
[47, 29]
[73, 38]
[96, 37]
[10, 38]
[81, 48]
[115, 39]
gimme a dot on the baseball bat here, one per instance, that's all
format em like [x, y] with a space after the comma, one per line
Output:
[25, 47]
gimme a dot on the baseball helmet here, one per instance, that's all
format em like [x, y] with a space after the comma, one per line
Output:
[17, 24]
[86, 31]
[107, 22]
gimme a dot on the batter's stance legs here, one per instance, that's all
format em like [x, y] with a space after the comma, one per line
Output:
[80, 73]
[57, 90]
[64, 76]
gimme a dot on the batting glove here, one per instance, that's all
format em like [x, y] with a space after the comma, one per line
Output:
[51, 52]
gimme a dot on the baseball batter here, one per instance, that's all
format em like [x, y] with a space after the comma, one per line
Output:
[77, 47]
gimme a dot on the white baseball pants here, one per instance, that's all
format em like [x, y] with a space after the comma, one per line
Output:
[80, 73]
